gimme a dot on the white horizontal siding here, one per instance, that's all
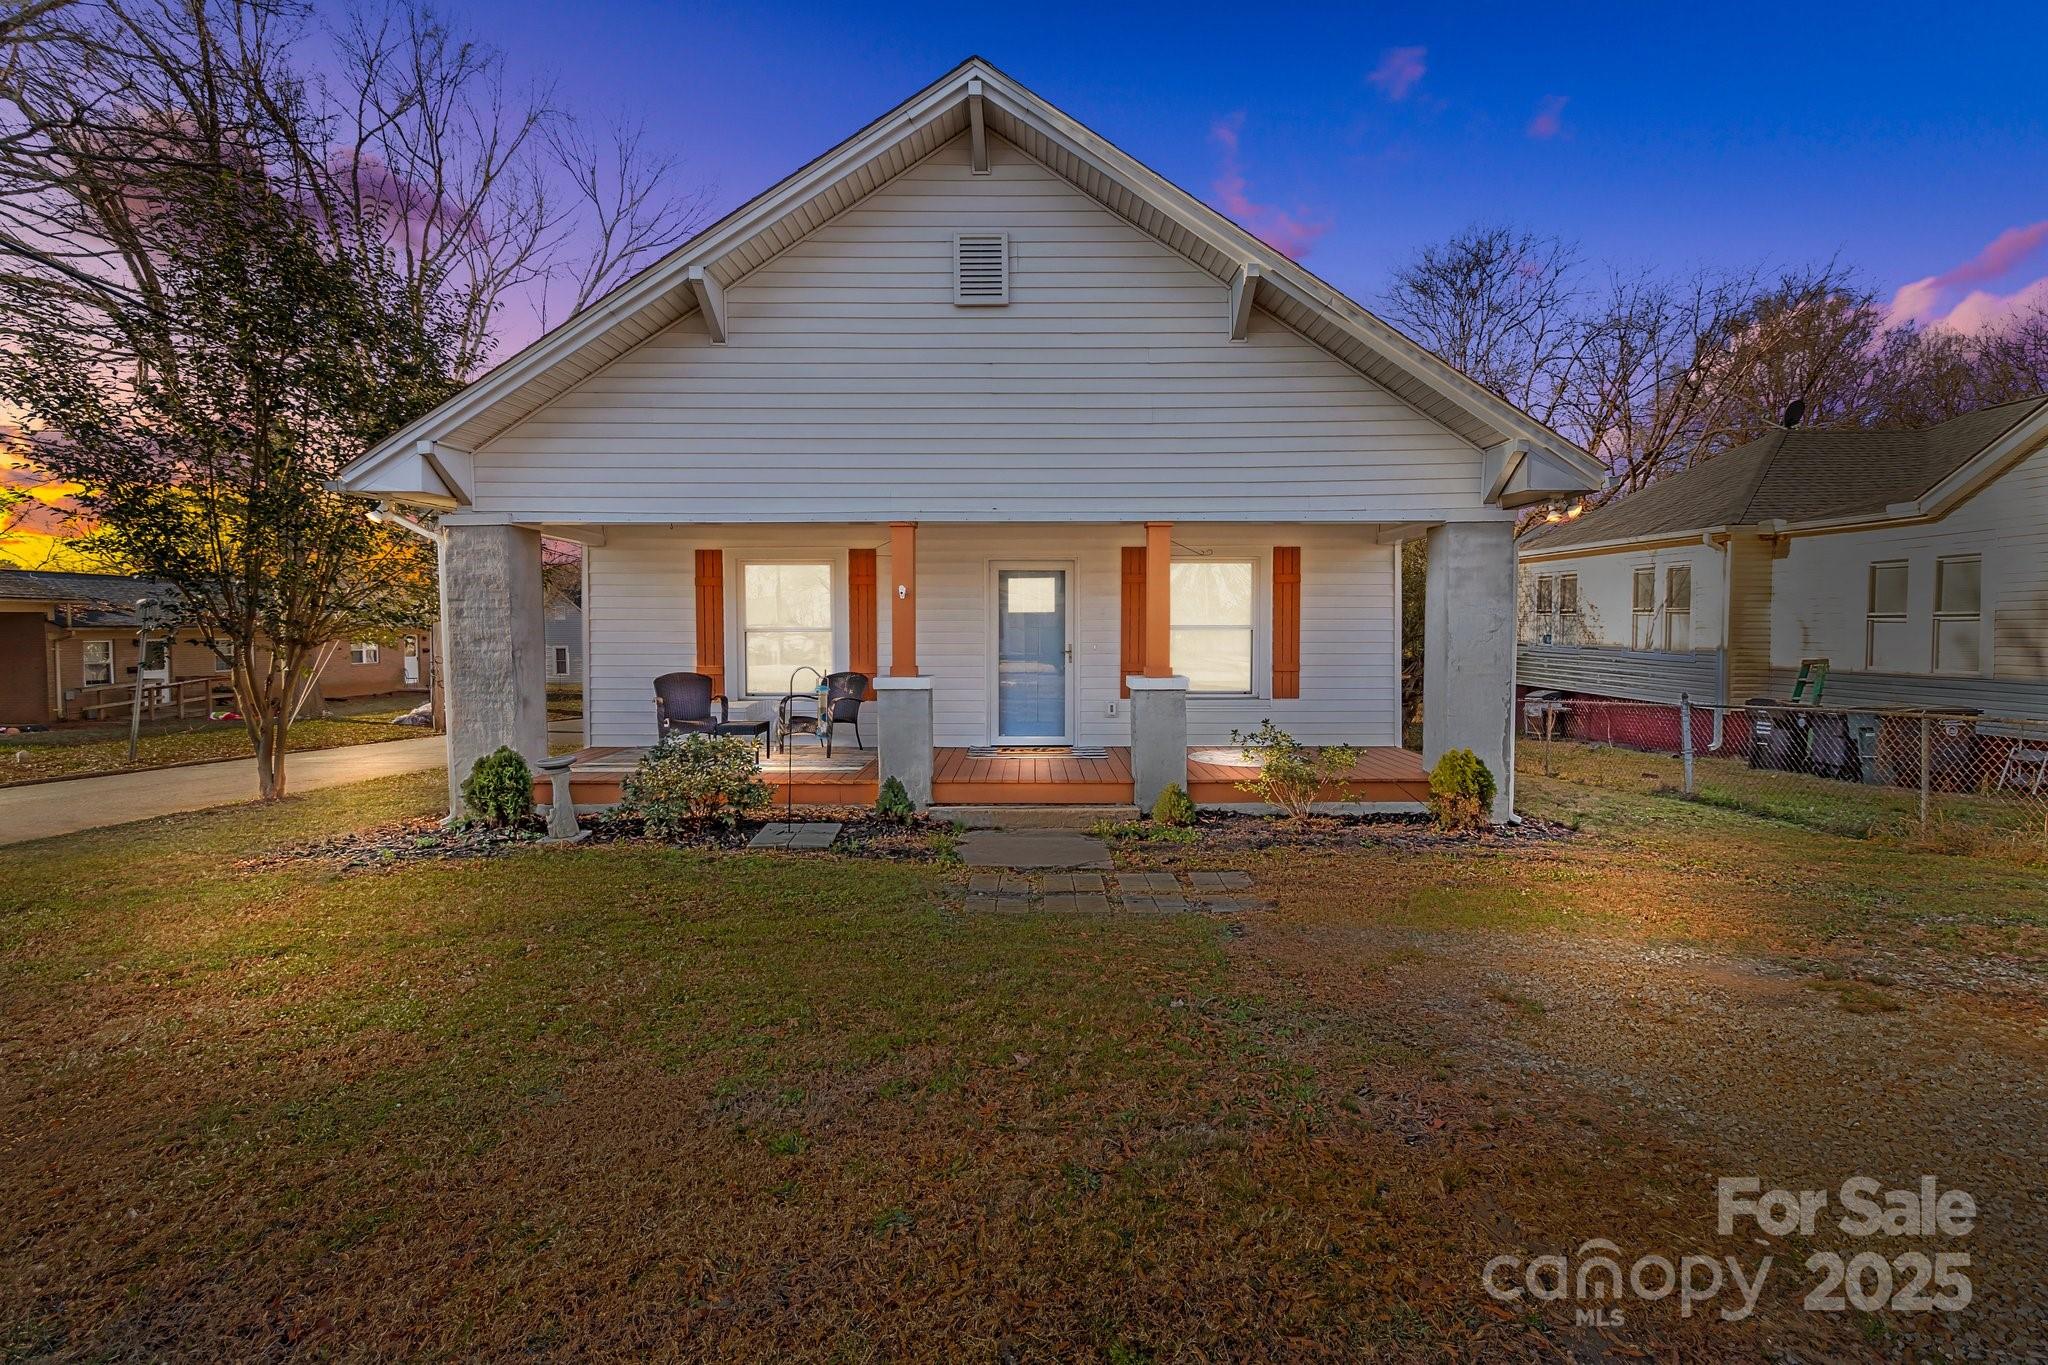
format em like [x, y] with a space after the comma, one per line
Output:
[853, 389]
[642, 623]
[1820, 588]
[1607, 596]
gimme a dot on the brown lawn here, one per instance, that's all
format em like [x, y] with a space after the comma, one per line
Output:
[629, 1101]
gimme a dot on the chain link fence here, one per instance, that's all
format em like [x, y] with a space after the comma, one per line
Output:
[1948, 778]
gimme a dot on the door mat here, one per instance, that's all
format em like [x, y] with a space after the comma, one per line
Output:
[1037, 751]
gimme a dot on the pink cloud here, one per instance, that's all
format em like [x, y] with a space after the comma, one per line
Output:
[1934, 301]
[1290, 234]
[1549, 119]
[1399, 70]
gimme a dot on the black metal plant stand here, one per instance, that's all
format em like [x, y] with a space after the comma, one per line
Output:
[789, 755]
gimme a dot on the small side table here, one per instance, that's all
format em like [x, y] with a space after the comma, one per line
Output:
[759, 729]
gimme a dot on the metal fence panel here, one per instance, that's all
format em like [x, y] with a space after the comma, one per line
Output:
[1952, 777]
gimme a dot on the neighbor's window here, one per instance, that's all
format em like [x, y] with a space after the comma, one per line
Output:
[560, 655]
[786, 624]
[99, 663]
[1568, 594]
[222, 663]
[1886, 646]
[1645, 614]
[1212, 625]
[1546, 595]
[362, 652]
[1678, 607]
[1959, 615]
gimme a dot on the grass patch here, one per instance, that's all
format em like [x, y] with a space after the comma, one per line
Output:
[628, 1100]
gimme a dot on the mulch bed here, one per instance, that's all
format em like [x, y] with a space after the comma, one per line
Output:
[1228, 831]
[426, 839]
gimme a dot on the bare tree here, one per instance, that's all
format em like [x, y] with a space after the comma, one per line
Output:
[220, 279]
[1501, 304]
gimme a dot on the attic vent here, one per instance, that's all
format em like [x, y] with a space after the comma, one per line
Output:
[981, 268]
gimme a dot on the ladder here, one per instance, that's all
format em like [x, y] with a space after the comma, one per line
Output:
[1812, 673]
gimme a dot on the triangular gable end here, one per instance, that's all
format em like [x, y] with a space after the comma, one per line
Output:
[976, 100]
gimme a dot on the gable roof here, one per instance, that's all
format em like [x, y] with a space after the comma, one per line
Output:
[1799, 476]
[974, 96]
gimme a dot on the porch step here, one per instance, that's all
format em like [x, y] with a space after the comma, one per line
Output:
[1032, 817]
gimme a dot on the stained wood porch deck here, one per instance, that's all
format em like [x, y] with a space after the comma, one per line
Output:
[849, 778]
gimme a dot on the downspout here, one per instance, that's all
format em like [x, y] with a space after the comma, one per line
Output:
[1727, 548]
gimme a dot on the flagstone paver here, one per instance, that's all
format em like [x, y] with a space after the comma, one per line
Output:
[804, 835]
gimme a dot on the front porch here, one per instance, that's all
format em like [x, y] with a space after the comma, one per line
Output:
[1387, 777]
[1005, 665]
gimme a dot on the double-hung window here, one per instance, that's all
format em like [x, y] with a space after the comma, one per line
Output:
[1546, 596]
[99, 663]
[1678, 607]
[558, 660]
[1887, 643]
[785, 625]
[362, 652]
[1959, 615]
[1568, 594]
[1645, 609]
[1212, 606]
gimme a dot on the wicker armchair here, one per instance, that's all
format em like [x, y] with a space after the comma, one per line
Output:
[844, 694]
[682, 705]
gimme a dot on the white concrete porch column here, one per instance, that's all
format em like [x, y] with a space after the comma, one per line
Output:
[496, 660]
[1468, 650]
[1159, 737]
[904, 747]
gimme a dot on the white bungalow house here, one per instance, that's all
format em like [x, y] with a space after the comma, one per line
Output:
[1914, 562]
[979, 406]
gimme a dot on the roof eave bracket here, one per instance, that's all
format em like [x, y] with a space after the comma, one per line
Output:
[1244, 290]
[710, 301]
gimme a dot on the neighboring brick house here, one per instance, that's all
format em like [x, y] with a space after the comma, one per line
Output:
[63, 634]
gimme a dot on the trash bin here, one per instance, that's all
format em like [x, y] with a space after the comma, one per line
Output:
[1954, 743]
[1951, 743]
[1777, 735]
[1864, 728]
[1831, 747]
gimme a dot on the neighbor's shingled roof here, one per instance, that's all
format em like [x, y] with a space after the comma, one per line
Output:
[99, 599]
[1794, 476]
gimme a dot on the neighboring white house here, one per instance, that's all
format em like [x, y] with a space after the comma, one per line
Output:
[976, 395]
[1914, 562]
[562, 637]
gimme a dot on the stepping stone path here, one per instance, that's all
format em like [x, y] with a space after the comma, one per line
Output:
[1219, 893]
[804, 835]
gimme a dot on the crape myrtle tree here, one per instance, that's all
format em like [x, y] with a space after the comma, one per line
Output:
[205, 419]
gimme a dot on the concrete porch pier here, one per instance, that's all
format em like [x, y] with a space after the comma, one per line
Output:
[496, 658]
[1468, 650]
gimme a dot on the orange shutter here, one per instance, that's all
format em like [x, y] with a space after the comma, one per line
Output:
[863, 637]
[711, 617]
[1286, 620]
[1132, 659]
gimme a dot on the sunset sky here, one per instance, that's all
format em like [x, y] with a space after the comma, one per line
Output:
[1654, 135]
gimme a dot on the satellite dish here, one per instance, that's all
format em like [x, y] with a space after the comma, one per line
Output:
[1794, 410]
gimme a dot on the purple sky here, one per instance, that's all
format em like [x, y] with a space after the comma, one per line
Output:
[1653, 134]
